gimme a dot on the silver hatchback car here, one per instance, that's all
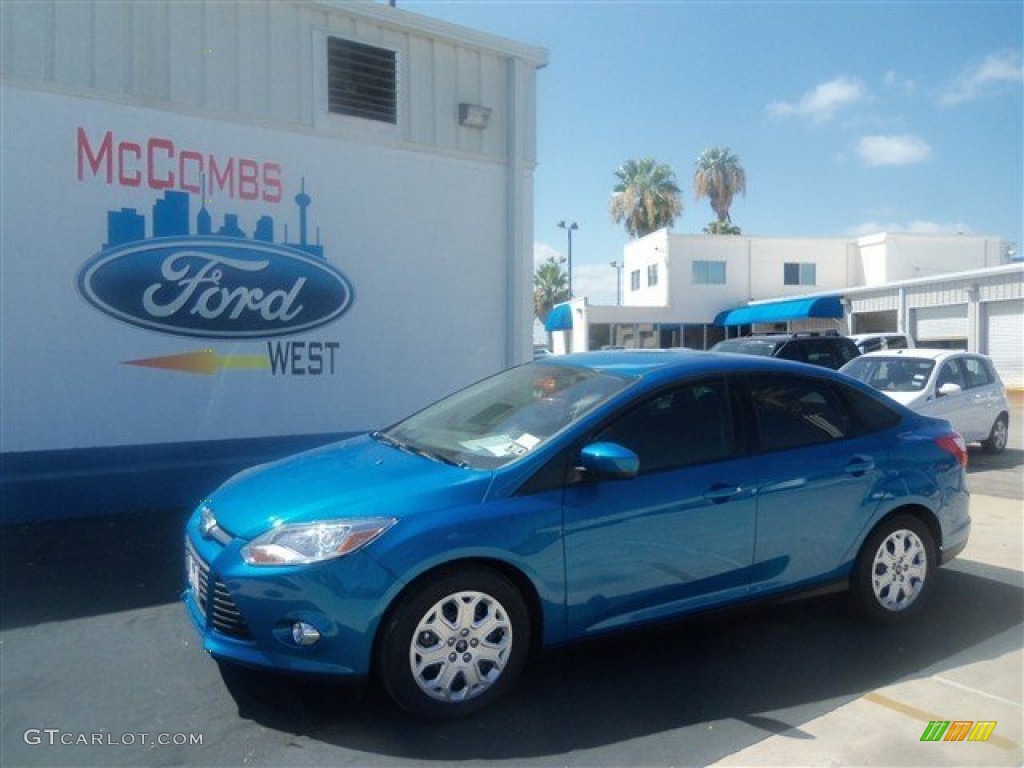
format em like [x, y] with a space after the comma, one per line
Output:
[961, 387]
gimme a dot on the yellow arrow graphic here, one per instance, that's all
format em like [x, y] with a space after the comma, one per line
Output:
[205, 361]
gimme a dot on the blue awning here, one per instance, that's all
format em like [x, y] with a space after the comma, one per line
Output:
[780, 311]
[559, 319]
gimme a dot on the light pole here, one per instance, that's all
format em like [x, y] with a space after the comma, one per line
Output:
[617, 266]
[569, 230]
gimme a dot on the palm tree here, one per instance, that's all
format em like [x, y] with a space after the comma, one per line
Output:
[719, 176]
[722, 228]
[646, 197]
[550, 287]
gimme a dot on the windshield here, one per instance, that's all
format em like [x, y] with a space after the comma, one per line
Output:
[891, 374]
[763, 347]
[504, 417]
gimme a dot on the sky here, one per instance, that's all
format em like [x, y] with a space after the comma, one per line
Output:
[849, 118]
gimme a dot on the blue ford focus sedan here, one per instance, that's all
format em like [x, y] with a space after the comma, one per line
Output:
[566, 498]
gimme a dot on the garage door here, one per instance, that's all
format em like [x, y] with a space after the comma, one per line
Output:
[1003, 322]
[944, 326]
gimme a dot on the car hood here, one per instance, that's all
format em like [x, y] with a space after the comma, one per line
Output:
[359, 477]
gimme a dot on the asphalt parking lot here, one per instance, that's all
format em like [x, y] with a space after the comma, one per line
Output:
[99, 665]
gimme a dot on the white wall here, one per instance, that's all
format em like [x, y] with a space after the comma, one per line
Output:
[441, 281]
[754, 270]
[891, 257]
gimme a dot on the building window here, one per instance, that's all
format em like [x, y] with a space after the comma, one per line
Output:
[634, 280]
[652, 275]
[800, 273]
[361, 81]
[709, 272]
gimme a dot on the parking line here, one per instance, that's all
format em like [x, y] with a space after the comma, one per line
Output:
[927, 717]
[976, 692]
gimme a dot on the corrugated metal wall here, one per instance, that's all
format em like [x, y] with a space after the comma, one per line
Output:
[265, 60]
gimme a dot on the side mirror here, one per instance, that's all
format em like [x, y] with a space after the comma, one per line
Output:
[949, 388]
[610, 461]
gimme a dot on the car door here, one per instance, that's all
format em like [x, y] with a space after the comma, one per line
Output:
[983, 398]
[677, 536]
[951, 407]
[815, 475]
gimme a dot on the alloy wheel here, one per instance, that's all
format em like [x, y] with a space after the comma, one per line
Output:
[899, 570]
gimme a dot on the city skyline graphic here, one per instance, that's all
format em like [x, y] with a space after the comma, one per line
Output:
[171, 217]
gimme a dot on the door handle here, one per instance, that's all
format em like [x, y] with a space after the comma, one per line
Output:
[858, 465]
[720, 493]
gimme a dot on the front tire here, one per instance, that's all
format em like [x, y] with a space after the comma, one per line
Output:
[454, 644]
[997, 438]
[894, 571]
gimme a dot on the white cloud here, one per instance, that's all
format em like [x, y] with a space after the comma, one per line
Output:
[899, 82]
[595, 281]
[978, 79]
[914, 227]
[821, 103]
[542, 252]
[893, 150]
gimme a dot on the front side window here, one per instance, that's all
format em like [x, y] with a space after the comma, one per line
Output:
[977, 372]
[800, 273]
[688, 425]
[793, 412]
[504, 417]
[951, 373]
[634, 280]
[362, 80]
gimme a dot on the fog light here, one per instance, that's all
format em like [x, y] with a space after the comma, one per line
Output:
[304, 634]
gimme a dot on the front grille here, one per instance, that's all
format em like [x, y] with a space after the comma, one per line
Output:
[218, 604]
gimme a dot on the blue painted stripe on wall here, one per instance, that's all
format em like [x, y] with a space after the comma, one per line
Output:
[52, 485]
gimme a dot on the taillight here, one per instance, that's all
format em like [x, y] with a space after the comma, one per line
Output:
[954, 444]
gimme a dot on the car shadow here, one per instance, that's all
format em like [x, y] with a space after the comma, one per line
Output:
[748, 665]
[980, 461]
[67, 569]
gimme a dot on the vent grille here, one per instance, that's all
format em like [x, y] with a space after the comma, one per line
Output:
[217, 604]
[361, 80]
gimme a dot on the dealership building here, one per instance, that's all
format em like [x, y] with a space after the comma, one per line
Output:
[233, 229]
[955, 291]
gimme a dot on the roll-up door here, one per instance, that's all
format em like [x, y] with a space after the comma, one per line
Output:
[1003, 328]
[944, 326]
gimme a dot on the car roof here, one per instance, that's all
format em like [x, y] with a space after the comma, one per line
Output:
[796, 336]
[670, 363]
[879, 335]
[922, 353]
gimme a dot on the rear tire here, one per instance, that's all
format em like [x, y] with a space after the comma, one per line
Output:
[997, 438]
[454, 644]
[895, 570]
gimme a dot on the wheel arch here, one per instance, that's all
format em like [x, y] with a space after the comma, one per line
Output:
[921, 512]
[526, 588]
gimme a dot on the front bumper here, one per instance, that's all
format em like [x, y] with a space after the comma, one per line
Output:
[245, 614]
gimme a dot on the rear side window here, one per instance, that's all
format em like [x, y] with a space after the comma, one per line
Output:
[793, 412]
[867, 413]
[793, 350]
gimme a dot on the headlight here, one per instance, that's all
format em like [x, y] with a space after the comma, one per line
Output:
[312, 542]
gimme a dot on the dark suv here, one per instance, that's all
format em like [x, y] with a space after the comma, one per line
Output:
[827, 349]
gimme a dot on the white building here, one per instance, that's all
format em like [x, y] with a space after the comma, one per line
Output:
[694, 290]
[228, 223]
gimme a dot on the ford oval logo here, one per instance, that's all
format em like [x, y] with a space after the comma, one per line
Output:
[215, 287]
